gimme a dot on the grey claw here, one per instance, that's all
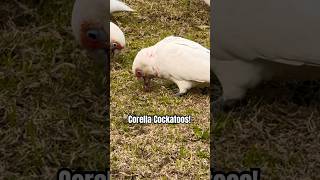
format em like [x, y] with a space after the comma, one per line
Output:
[217, 107]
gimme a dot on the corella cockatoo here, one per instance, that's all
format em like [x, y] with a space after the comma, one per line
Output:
[116, 5]
[207, 2]
[117, 38]
[90, 27]
[264, 40]
[180, 60]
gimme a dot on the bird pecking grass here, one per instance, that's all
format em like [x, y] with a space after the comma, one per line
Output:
[158, 151]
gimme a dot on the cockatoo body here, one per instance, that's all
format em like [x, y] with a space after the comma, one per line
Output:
[180, 60]
[264, 40]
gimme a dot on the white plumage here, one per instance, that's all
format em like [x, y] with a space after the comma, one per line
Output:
[256, 41]
[117, 38]
[180, 60]
[207, 2]
[116, 5]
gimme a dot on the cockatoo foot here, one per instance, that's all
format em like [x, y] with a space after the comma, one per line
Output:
[179, 94]
[222, 105]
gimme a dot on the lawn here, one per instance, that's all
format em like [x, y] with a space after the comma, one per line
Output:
[275, 129]
[51, 99]
[52, 104]
[155, 151]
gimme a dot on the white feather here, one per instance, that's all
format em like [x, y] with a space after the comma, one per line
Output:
[207, 2]
[256, 41]
[183, 59]
[116, 35]
[116, 5]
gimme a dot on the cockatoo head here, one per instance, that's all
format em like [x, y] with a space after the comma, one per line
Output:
[89, 25]
[144, 66]
[117, 39]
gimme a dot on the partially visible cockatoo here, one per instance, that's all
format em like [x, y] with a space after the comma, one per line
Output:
[117, 38]
[180, 60]
[207, 2]
[89, 25]
[116, 5]
[90, 28]
[264, 40]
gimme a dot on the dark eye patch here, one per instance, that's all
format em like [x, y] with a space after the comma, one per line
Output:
[96, 34]
[92, 34]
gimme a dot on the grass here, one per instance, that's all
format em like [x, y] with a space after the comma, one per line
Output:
[51, 105]
[51, 102]
[158, 151]
[276, 131]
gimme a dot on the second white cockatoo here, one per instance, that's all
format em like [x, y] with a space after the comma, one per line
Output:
[116, 5]
[207, 2]
[180, 60]
[90, 27]
[117, 38]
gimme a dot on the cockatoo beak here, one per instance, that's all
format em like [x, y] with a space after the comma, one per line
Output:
[146, 83]
[116, 49]
[146, 79]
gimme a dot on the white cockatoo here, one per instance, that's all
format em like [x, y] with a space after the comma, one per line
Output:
[207, 2]
[180, 60]
[90, 27]
[116, 5]
[264, 40]
[117, 38]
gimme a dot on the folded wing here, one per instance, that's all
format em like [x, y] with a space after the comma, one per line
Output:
[183, 59]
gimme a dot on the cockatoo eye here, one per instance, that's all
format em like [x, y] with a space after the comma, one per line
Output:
[114, 45]
[96, 35]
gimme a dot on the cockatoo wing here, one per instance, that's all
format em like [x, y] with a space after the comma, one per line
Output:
[182, 41]
[183, 59]
[280, 31]
[116, 5]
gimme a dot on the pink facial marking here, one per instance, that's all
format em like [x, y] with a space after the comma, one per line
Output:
[139, 73]
[87, 42]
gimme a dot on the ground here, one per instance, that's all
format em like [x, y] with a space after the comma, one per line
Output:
[51, 101]
[275, 129]
[158, 151]
[51, 104]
